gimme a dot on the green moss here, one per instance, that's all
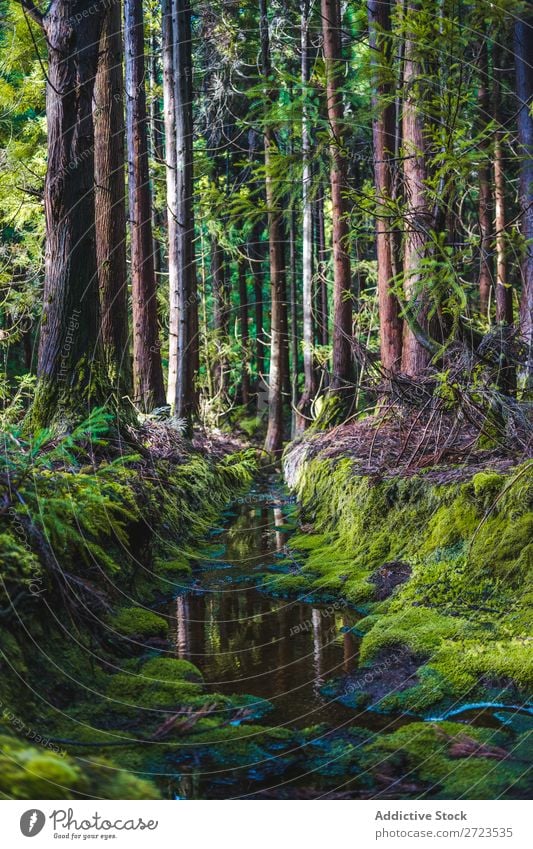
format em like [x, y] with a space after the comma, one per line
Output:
[136, 621]
[470, 548]
[423, 630]
[27, 772]
[160, 683]
[448, 760]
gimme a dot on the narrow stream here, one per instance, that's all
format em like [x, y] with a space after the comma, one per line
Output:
[246, 641]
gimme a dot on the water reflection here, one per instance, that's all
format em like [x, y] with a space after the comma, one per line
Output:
[244, 641]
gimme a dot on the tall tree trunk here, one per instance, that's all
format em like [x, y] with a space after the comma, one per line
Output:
[183, 306]
[342, 372]
[169, 115]
[71, 371]
[256, 258]
[294, 336]
[304, 405]
[415, 357]
[147, 370]
[523, 51]
[243, 315]
[383, 130]
[504, 293]
[322, 287]
[158, 150]
[221, 301]
[274, 436]
[110, 200]
[486, 269]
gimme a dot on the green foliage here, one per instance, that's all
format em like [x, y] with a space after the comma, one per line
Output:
[28, 772]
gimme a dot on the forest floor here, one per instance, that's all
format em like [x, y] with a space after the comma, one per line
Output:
[396, 444]
[411, 558]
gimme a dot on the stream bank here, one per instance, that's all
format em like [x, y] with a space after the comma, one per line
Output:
[311, 643]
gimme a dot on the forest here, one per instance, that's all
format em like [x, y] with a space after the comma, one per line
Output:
[266, 396]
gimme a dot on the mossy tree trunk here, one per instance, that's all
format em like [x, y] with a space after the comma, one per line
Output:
[71, 370]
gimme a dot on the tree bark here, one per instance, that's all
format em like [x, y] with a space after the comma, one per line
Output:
[341, 376]
[383, 131]
[169, 116]
[256, 259]
[415, 357]
[294, 336]
[322, 287]
[486, 269]
[304, 405]
[71, 371]
[110, 200]
[523, 51]
[504, 292]
[157, 151]
[243, 315]
[183, 348]
[147, 370]
[221, 302]
[274, 436]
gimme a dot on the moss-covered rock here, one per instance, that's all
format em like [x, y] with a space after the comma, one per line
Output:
[139, 622]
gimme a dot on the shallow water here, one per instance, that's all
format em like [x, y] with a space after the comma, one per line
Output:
[246, 641]
[249, 642]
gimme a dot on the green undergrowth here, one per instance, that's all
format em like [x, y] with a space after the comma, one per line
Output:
[466, 605]
[86, 550]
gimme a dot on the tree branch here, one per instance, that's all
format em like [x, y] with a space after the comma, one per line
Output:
[32, 11]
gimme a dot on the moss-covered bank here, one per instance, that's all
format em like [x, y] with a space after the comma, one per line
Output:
[86, 550]
[441, 570]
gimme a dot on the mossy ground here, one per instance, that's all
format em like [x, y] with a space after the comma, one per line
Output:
[465, 606]
[122, 531]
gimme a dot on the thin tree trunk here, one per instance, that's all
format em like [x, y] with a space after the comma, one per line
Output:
[169, 115]
[220, 289]
[504, 292]
[523, 51]
[243, 314]
[486, 269]
[341, 376]
[256, 258]
[274, 436]
[322, 286]
[390, 323]
[294, 318]
[147, 370]
[415, 357]
[304, 405]
[158, 152]
[110, 200]
[183, 306]
[71, 371]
